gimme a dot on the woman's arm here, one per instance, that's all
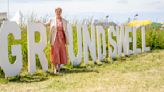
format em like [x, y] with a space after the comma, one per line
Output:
[48, 22]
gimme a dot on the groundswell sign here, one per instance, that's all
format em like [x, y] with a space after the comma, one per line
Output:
[118, 37]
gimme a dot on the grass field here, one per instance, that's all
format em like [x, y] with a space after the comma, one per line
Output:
[137, 73]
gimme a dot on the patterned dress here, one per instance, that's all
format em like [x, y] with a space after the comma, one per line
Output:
[58, 50]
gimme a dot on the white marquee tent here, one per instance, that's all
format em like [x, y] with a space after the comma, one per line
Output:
[18, 17]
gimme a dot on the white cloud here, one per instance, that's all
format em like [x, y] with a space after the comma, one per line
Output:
[88, 5]
[122, 1]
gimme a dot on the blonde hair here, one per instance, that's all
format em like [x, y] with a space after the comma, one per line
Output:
[58, 8]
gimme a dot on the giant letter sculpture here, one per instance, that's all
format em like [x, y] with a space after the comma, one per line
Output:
[36, 48]
[144, 48]
[89, 43]
[101, 43]
[75, 60]
[112, 42]
[8, 68]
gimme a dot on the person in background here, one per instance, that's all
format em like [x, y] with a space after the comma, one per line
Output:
[58, 39]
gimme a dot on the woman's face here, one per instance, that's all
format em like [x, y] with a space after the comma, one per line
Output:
[58, 12]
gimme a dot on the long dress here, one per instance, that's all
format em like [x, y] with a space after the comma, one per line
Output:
[58, 50]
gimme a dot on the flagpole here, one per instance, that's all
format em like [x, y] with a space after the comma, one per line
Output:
[8, 10]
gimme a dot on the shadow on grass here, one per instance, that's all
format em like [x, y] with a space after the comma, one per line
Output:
[73, 69]
[133, 56]
[77, 70]
[28, 78]
[25, 77]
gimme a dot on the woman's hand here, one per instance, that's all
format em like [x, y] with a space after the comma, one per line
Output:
[47, 23]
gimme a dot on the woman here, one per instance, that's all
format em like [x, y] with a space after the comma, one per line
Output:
[58, 40]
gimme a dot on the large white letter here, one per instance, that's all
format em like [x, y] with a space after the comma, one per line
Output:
[89, 43]
[101, 43]
[128, 39]
[144, 48]
[121, 40]
[8, 68]
[75, 60]
[111, 41]
[36, 48]
[135, 49]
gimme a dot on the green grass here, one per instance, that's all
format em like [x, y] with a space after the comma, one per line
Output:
[137, 73]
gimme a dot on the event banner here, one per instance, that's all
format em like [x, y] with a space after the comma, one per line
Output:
[118, 44]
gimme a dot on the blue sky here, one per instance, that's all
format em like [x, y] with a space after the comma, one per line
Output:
[93, 5]
[87, 6]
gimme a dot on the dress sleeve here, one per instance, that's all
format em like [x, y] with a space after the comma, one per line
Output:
[66, 31]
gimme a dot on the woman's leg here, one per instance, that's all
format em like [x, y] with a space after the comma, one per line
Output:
[55, 68]
[56, 61]
[58, 67]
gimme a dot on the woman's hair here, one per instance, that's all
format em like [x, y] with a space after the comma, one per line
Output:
[58, 8]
